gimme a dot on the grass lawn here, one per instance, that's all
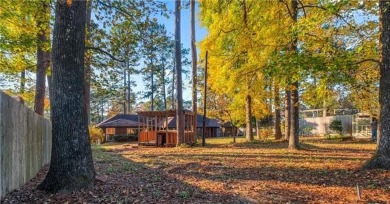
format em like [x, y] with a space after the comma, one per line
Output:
[325, 171]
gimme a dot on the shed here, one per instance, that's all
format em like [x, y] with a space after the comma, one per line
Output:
[156, 128]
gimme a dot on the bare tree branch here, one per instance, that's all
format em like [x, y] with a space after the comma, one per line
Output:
[288, 8]
[368, 60]
[336, 14]
[105, 52]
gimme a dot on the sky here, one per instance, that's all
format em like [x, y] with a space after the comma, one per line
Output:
[170, 26]
[185, 40]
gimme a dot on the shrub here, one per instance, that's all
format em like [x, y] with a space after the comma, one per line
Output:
[125, 138]
[265, 132]
[306, 130]
[336, 126]
[96, 134]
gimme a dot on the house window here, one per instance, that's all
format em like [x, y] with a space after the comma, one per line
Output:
[110, 131]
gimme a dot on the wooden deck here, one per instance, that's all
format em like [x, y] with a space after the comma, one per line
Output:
[163, 137]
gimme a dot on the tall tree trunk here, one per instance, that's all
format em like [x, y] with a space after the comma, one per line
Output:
[88, 63]
[234, 132]
[381, 158]
[194, 65]
[50, 87]
[248, 119]
[22, 81]
[128, 91]
[294, 136]
[278, 131]
[71, 166]
[124, 91]
[173, 85]
[287, 115]
[179, 90]
[152, 83]
[173, 88]
[163, 86]
[257, 129]
[42, 60]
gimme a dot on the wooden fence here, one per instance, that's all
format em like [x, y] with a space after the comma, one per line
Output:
[25, 144]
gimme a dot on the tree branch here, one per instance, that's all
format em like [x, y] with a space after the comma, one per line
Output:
[232, 30]
[304, 11]
[288, 8]
[368, 60]
[336, 14]
[116, 8]
[104, 52]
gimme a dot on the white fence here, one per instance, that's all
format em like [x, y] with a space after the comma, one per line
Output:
[25, 144]
[320, 125]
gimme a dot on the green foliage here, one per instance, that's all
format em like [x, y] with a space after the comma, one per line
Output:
[184, 195]
[118, 28]
[336, 126]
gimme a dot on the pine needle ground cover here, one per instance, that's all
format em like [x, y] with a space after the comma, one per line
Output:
[325, 171]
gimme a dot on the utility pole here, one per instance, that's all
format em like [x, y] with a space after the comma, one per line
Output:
[204, 103]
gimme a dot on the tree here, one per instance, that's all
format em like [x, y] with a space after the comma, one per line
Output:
[194, 63]
[43, 54]
[166, 64]
[115, 41]
[277, 119]
[88, 62]
[157, 47]
[18, 45]
[71, 166]
[179, 88]
[293, 142]
[381, 158]
[235, 61]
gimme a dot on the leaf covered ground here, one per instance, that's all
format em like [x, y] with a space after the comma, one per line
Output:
[325, 171]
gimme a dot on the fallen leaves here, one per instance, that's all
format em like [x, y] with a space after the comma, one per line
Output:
[324, 172]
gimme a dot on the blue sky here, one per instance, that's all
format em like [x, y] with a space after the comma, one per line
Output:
[185, 40]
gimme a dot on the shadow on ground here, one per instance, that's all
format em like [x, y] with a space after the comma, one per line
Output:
[120, 180]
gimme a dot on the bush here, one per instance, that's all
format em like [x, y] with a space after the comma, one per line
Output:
[125, 138]
[265, 132]
[336, 126]
[96, 134]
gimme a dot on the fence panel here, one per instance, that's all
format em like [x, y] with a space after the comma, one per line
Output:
[25, 144]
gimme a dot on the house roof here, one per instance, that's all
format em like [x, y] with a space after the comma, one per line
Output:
[120, 123]
[131, 120]
[169, 113]
[120, 120]
[210, 123]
